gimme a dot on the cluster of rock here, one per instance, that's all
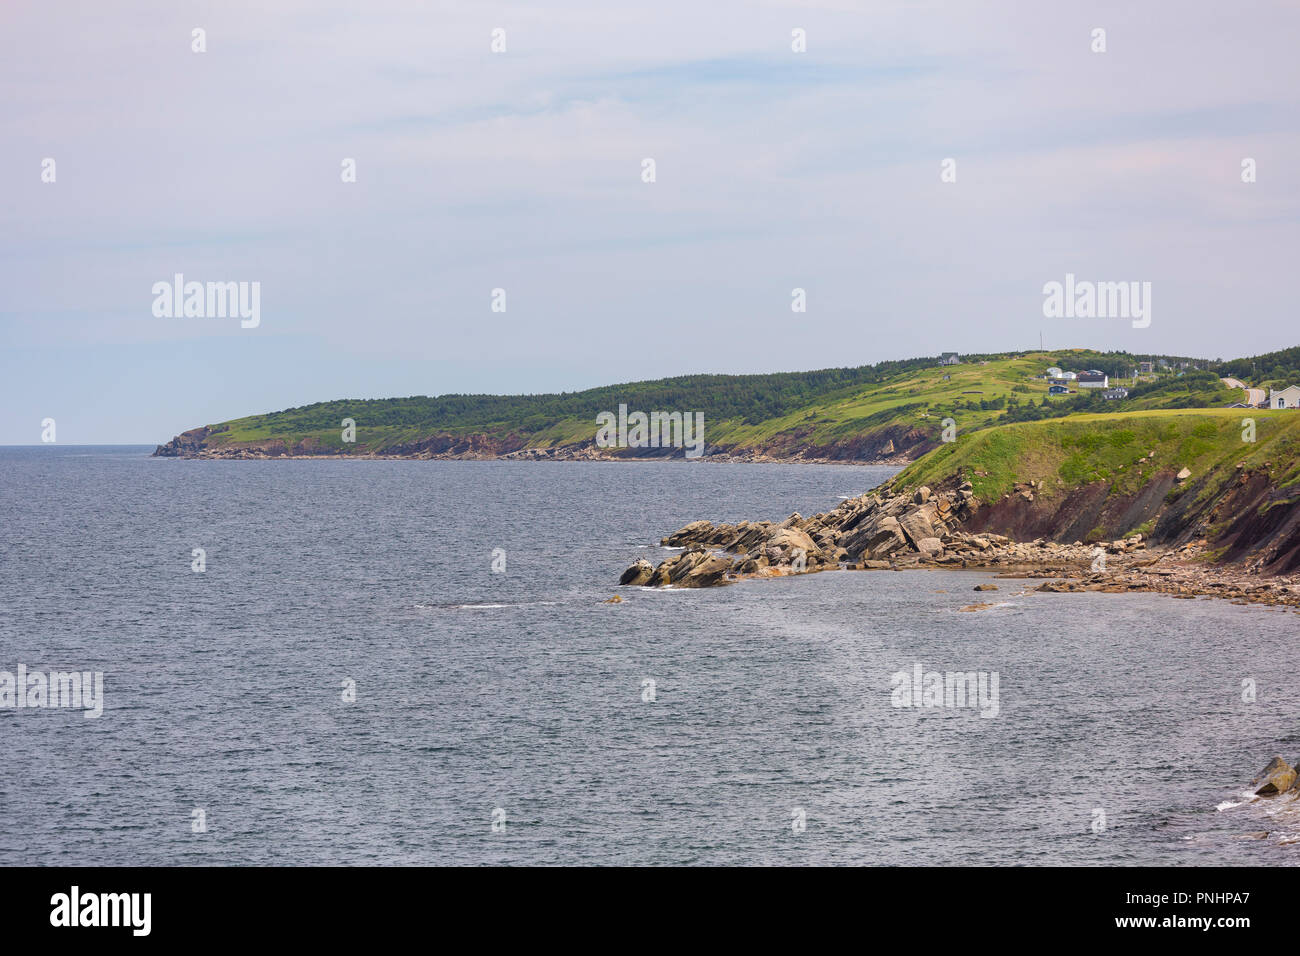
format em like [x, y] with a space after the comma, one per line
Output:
[1167, 575]
[696, 567]
[1043, 554]
[878, 530]
[889, 529]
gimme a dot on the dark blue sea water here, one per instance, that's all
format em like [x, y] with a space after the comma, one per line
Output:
[522, 692]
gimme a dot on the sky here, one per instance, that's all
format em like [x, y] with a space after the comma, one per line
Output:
[522, 170]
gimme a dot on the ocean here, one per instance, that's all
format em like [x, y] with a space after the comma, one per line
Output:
[349, 681]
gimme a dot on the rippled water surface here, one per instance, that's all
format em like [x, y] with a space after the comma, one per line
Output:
[522, 691]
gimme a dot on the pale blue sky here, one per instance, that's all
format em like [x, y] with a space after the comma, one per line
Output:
[522, 170]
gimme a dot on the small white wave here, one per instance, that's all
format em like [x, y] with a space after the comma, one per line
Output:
[481, 607]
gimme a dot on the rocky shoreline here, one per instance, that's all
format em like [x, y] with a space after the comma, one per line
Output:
[198, 443]
[721, 457]
[893, 531]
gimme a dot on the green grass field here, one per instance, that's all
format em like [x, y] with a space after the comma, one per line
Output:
[1067, 452]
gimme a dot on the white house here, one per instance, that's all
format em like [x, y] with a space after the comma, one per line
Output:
[1053, 372]
[1094, 380]
[1288, 397]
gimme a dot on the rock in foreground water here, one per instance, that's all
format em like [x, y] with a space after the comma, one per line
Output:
[1278, 777]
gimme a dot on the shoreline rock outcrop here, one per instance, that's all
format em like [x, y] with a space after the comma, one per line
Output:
[875, 447]
[896, 529]
[863, 532]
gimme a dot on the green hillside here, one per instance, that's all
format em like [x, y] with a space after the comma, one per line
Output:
[1124, 449]
[845, 413]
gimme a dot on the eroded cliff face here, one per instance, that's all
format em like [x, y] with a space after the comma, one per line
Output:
[1245, 520]
[890, 443]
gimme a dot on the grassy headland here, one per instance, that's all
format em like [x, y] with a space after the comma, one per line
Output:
[888, 411]
[1126, 449]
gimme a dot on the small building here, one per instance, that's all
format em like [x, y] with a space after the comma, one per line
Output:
[1114, 394]
[1146, 368]
[1058, 390]
[1053, 372]
[1094, 379]
[1288, 397]
[949, 358]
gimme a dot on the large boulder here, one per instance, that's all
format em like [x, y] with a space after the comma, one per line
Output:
[918, 524]
[788, 540]
[639, 573]
[879, 540]
[1277, 777]
[1277, 763]
[707, 573]
[693, 532]
[663, 575]
[930, 546]
[686, 563]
